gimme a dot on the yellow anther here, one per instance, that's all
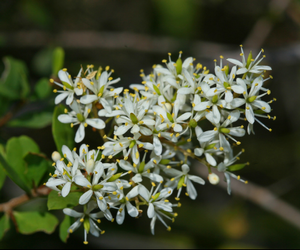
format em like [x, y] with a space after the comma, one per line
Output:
[70, 231]
[141, 122]
[215, 129]
[141, 145]
[177, 198]
[153, 184]
[54, 90]
[244, 92]
[61, 159]
[177, 134]
[229, 117]
[238, 143]
[85, 125]
[189, 140]
[221, 148]
[55, 175]
[99, 221]
[270, 129]
[89, 186]
[186, 194]
[64, 87]
[208, 106]
[169, 167]
[64, 69]
[81, 220]
[134, 165]
[125, 158]
[169, 229]
[114, 193]
[101, 198]
[189, 151]
[172, 179]
[110, 157]
[53, 164]
[164, 61]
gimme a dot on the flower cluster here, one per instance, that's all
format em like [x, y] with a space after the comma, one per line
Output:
[150, 134]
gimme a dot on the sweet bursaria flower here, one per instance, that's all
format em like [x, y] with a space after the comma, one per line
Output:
[64, 176]
[127, 145]
[252, 99]
[227, 164]
[79, 115]
[225, 84]
[141, 170]
[96, 186]
[250, 65]
[158, 205]
[86, 218]
[124, 202]
[69, 87]
[207, 148]
[183, 179]
[99, 90]
[133, 115]
[221, 131]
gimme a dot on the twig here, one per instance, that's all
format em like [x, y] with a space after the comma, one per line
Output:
[260, 196]
[263, 26]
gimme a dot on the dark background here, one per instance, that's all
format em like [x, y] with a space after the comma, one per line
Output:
[132, 35]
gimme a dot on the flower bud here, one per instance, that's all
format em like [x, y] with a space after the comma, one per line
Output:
[90, 166]
[167, 107]
[178, 66]
[56, 156]
[213, 179]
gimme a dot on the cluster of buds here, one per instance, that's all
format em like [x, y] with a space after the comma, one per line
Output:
[155, 131]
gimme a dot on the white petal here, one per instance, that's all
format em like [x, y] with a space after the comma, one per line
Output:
[61, 97]
[157, 145]
[211, 160]
[66, 119]
[191, 189]
[66, 151]
[96, 123]
[81, 181]
[196, 179]
[71, 212]
[144, 192]
[80, 134]
[85, 197]
[137, 178]
[120, 215]
[66, 189]
[70, 98]
[150, 210]
[132, 211]
[87, 99]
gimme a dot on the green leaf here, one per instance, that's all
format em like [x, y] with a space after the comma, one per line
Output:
[58, 202]
[31, 222]
[2, 170]
[16, 149]
[32, 120]
[63, 134]
[14, 84]
[20, 180]
[4, 225]
[63, 228]
[236, 167]
[37, 168]
[42, 88]
[57, 60]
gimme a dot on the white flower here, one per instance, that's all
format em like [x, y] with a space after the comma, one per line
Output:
[228, 161]
[87, 218]
[79, 115]
[158, 205]
[133, 115]
[96, 187]
[250, 65]
[100, 90]
[125, 202]
[69, 87]
[140, 171]
[64, 175]
[252, 99]
[208, 148]
[213, 178]
[221, 131]
[182, 178]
